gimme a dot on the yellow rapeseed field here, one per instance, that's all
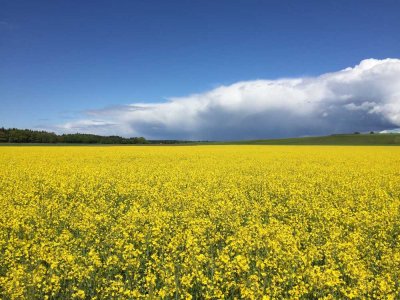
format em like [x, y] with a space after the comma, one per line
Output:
[200, 222]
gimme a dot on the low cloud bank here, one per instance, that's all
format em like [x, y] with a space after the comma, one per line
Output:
[361, 98]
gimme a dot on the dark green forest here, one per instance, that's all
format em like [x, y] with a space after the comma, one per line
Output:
[14, 135]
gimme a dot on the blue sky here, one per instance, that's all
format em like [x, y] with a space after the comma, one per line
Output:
[75, 61]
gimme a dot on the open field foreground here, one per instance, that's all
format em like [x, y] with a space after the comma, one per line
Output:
[200, 222]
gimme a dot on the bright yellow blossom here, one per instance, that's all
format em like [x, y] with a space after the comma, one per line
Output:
[207, 222]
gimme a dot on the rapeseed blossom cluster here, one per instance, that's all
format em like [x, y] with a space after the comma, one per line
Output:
[206, 222]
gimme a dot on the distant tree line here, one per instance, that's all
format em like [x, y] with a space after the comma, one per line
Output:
[14, 135]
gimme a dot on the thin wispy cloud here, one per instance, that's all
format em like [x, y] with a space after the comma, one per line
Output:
[115, 109]
[6, 25]
[361, 98]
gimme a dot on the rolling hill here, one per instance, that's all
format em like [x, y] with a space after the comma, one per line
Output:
[335, 139]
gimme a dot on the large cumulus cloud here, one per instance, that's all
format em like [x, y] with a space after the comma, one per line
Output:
[361, 98]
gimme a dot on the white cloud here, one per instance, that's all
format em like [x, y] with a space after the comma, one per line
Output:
[362, 98]
[395, 130]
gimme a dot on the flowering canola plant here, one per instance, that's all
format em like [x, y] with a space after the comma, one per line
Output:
[200, 222]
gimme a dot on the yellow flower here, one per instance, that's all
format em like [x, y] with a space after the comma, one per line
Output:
[207, 222]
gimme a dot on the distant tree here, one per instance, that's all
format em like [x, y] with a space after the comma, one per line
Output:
[356, 132]
[371, 132]
[14, 135]
[3, 135]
